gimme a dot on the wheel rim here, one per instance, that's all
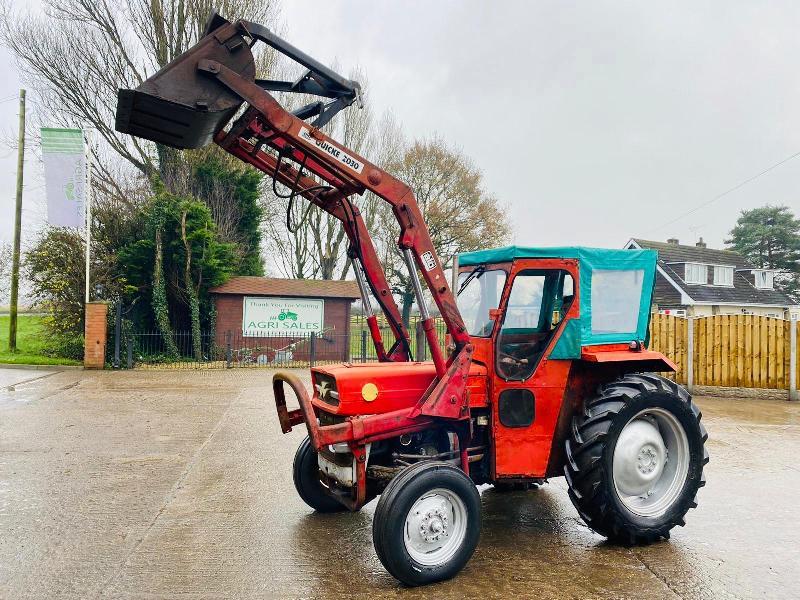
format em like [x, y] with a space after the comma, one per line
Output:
[651, 462]
[435, 527]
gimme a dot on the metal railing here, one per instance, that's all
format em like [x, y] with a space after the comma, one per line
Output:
[232, 349]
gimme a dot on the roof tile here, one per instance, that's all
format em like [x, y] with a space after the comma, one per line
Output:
[670, 256]
[300, 288]
[679, 253]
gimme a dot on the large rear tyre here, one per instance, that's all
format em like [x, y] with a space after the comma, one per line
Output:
[306, 480]
[635, 458]
[427, 523]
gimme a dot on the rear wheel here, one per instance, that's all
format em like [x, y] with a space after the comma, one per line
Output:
[427, 523]
[635, 458]
[307, 483]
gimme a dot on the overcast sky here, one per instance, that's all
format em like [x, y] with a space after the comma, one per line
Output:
[593, 121]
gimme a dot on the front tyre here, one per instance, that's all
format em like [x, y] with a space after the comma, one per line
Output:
[635, 458]
[307, 483]
[427, 523]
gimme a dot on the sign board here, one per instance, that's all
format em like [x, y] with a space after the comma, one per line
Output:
[262, 317]
[65, 171]
[335, 153]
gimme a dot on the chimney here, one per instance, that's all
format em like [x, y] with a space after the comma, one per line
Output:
[673, 241]
[701, 243]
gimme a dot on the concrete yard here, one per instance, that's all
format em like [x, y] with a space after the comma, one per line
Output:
[178, 484]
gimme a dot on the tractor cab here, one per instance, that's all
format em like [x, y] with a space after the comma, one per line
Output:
[546, 322]
[520, 303]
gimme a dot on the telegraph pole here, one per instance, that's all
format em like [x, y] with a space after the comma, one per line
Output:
[12, 327]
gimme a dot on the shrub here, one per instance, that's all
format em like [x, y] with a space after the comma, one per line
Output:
[64, 345]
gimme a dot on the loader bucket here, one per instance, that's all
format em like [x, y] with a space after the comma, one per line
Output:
[180, 106]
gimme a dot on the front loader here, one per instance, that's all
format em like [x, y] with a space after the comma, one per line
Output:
[546, 373]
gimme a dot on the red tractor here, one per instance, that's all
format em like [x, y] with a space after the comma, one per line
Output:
[546, 374]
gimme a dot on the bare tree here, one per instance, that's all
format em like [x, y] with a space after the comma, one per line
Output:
[461, 216]
[80, 52]
[290, 251]
[308, 242]
[354, 129]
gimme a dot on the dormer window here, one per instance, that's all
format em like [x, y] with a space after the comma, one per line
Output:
[723, 276]
[696, 273]
[764, 280]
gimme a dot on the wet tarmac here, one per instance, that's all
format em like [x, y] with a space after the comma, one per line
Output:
[178, 484]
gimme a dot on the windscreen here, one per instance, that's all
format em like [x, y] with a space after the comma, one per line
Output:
[480, 291]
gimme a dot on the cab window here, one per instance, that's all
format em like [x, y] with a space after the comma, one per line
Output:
[616, 300]
[479, 291]
[536, 306]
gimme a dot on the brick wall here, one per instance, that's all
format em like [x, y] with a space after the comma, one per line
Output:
[336, 321]
[95, 333]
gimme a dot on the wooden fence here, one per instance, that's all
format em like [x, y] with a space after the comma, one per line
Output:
[728, 350]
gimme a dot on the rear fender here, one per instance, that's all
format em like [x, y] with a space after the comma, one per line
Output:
[629, 361]
[593, 369]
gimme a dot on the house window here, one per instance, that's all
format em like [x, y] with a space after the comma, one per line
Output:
[764, 279]
[723, 276]
[696, 273]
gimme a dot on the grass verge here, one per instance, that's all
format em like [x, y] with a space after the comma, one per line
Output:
[31, 336]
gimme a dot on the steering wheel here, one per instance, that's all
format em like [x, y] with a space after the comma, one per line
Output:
[510, 359]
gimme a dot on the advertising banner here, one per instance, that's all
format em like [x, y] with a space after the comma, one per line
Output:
[263, 317]
[64, 156]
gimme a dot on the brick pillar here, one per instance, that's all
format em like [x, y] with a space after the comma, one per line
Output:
[94, 353]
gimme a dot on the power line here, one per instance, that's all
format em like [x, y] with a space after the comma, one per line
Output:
[726, 192]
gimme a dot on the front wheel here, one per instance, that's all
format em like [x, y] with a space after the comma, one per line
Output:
[307, 483]
[635, 458]
[427, 523]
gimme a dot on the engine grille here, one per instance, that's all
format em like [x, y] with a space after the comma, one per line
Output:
[325, 386]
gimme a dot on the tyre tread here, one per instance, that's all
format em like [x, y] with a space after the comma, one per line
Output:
[584, 470]
[385, 519]
[316, 499]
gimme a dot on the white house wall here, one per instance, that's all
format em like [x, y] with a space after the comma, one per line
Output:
[707, 310]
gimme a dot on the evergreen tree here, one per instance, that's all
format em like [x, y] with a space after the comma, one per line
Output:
[769, 237]
[176, 262]
[232, 192]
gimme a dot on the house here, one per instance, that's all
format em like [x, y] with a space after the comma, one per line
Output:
[697, 281]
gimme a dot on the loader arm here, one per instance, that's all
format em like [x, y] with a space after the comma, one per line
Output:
[189, 102]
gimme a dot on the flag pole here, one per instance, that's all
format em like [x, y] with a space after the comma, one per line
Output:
[88, 209]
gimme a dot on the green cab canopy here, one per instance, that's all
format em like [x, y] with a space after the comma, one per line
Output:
[617, 310]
